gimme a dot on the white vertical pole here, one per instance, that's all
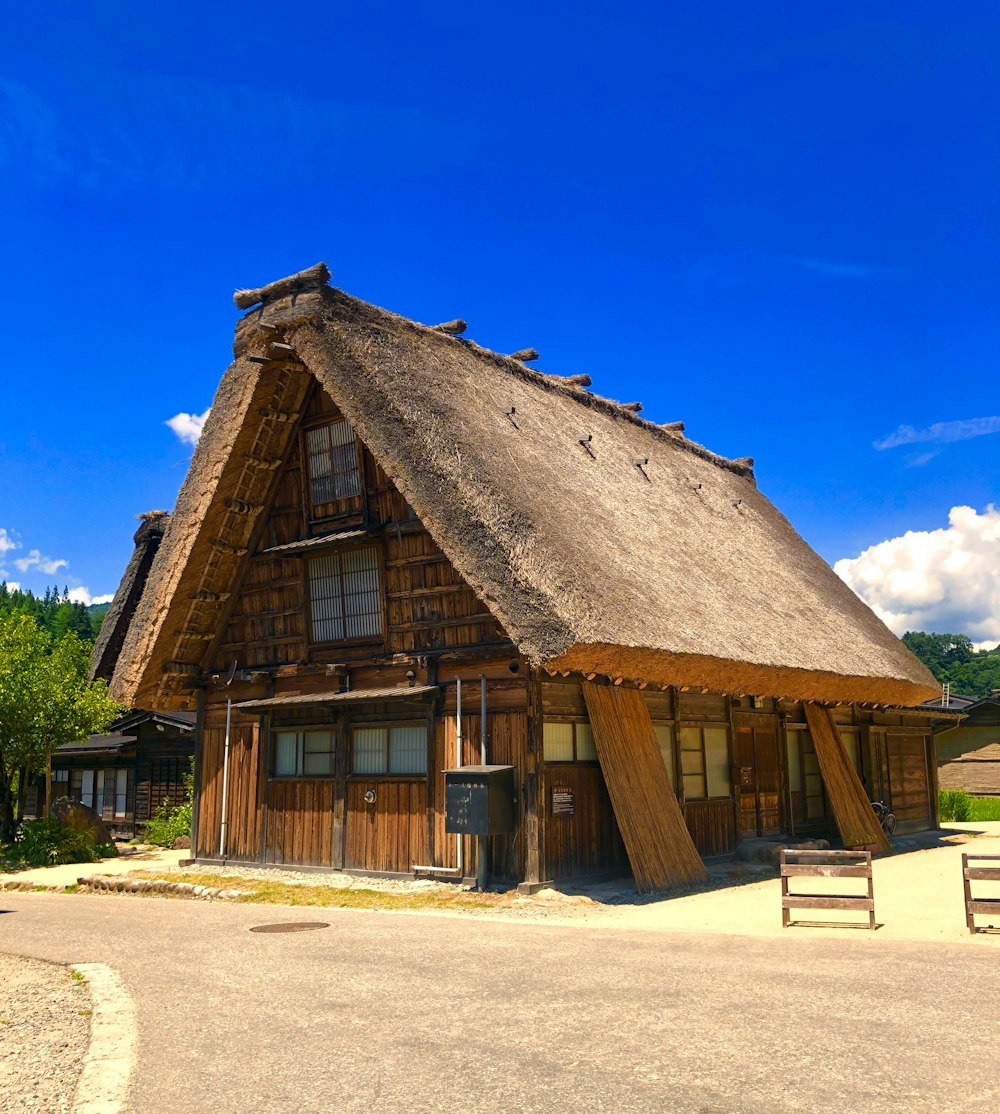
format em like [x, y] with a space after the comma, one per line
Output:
[458, 763]
[225, 781]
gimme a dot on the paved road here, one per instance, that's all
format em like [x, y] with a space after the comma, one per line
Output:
[407, 1012]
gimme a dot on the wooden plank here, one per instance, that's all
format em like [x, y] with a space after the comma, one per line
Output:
[801, 870]
[984, 905]
[983, 873]
[826, 901]
[856, 820]
[659, 846]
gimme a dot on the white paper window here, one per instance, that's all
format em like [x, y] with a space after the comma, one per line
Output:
[121, 791]
[390, 750]
[568, 742]
[333, 463]
[308, 753]
[665, 737]
[717, 761]
[345, 595]
[87, 788]
[705, 761]
[851, 738]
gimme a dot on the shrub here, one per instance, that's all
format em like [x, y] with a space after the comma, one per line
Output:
[167, 823]
[46, 842]
[954, 804]
[172, 821]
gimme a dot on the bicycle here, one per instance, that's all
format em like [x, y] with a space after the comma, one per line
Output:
[886, 817]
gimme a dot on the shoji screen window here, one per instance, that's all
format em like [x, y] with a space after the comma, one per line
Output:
[345, 595]
[568, 742]
[704, 753]
[333, 463]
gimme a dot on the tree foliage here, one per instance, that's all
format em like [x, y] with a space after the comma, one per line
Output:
[953, 659]
[55, 612]
[45, 701]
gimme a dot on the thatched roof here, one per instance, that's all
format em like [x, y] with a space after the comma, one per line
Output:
[600, 541]
[119, 615]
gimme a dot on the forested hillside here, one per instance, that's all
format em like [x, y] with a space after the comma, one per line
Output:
[55, 612]
[951, 658]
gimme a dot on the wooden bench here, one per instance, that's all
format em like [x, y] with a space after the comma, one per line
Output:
[970, 874]
[827, 864]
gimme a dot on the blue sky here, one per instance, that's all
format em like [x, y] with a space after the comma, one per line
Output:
[775, 222]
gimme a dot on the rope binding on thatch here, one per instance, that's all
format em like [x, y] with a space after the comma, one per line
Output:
[312, 278]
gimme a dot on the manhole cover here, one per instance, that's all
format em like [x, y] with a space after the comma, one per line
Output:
[289, 926]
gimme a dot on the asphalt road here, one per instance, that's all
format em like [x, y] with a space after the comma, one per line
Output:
[409, 1012]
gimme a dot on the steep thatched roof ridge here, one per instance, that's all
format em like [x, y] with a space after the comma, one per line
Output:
[600, 541]
[133, 582]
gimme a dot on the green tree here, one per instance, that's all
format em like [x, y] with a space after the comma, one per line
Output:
[45, 701]
[953, 660]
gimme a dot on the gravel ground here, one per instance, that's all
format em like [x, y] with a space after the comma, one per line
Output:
[44, 1035]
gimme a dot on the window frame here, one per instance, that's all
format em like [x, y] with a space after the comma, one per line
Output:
[301, 730]
[326, 421]
[339, 551]
[387, 726]
[567, 721]
[799, 731]
[701, 726]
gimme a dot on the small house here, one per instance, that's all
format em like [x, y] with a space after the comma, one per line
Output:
[397, 553]
[968, 753]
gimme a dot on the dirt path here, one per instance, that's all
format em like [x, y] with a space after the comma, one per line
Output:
[44, 1035]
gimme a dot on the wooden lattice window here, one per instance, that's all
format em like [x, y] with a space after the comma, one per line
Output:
[307, 753]
[704, 752]
[334, 473]
[389, 749]
[345, 595]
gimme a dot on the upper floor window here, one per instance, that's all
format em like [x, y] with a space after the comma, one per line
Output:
[345, 598]
[333, 463]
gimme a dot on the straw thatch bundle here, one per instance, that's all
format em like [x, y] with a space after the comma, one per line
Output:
[680, 572]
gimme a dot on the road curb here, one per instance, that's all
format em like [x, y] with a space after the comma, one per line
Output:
[125, 885]
[107, 1067]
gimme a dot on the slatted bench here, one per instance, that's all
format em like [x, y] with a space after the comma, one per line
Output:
[970, 874]
[827, 864]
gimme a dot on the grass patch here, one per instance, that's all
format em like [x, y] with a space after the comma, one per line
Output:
[76, 976]
[266, 892]
[984, 808]
[962, 807]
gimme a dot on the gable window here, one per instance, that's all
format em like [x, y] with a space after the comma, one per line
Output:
[306, 753]
[390, 750]
[568, 742]
[704, 752]
[333, 463]
[344, 595]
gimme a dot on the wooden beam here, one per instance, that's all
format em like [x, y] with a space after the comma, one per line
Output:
[278, 415]
[237, 506]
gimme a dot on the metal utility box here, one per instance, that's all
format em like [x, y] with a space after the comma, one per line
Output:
[480, 800]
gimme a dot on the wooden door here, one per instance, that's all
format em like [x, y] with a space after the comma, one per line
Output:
[757, 778]
[386, 824]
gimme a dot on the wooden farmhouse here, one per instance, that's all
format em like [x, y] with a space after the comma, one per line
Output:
[968, 753]
[379, 510]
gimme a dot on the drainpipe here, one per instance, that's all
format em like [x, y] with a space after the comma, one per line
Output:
[458, 868]
[481, 844]
[225, 780]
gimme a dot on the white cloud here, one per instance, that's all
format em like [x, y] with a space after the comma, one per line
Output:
[12, 585]
[47, 565]
[7, 542]
[188, 426]
[942, 432]
[81, 595]
[945, 580]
